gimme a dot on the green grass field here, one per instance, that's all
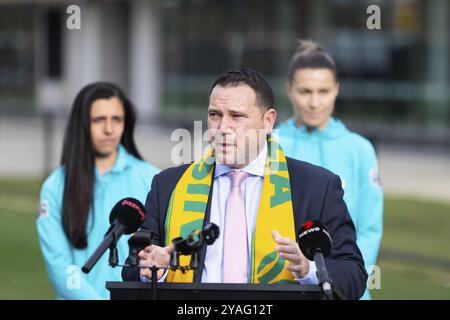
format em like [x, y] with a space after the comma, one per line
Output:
[418, 228]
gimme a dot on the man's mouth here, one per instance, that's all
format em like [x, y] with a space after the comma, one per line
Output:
[224, 147]
[226, 144]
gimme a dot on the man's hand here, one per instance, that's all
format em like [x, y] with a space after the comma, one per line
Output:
[290, 251]
[154, 256]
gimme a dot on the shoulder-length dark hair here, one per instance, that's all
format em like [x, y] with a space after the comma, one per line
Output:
[78, 157]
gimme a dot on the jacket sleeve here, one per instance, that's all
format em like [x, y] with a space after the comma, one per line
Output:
[66, 277]
[151, 223]
[369, 223]
[345, 263]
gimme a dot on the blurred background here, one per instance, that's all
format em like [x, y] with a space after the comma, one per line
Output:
[165, 54]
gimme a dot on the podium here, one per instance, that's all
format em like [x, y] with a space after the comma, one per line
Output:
[134, 290]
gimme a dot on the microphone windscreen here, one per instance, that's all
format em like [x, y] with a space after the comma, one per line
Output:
[210, 233]
[130, 213]
[314, 235]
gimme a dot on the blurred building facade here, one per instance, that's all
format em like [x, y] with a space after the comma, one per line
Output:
[165, 53]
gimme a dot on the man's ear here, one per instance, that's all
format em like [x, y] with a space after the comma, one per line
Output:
[269, 118]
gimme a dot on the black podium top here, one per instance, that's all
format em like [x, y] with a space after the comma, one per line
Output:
[134, 290]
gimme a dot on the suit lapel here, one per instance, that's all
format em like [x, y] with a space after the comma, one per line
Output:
[295, 195]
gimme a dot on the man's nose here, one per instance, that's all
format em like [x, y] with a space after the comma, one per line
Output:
[225, 125]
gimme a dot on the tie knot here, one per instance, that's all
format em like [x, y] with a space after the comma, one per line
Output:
[237, 177]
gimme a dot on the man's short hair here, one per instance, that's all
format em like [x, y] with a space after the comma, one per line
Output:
[252, 78]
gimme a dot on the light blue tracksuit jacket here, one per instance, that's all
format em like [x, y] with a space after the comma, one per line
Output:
[129, 177]
[353, 158]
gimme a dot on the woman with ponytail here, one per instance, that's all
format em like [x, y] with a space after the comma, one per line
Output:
[316, 136]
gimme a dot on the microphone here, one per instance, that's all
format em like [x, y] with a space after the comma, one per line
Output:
[192, 244]
[315, 243]
[126, 217]
[314, 237]
[137, 242]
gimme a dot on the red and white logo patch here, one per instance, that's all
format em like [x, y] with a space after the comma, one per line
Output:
[43, 209]
[374, 178]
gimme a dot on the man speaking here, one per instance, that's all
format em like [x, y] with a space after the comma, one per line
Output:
[257, 197]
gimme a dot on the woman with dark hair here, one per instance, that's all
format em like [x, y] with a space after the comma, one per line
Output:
[315, 136]
[100, 165]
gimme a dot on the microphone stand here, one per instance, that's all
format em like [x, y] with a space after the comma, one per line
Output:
[113, 254]
[174, 264]
[322, 274]
[329, 291]
[195, 261]
[191, 245]
[154, 270]
[109, 241]
[137, 242]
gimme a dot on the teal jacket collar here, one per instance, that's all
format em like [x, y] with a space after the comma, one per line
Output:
[335, 128]
[122, 162]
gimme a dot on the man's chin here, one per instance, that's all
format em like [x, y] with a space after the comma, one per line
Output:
[230, 160]
[224, 158]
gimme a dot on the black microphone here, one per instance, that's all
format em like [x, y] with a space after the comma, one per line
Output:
[314, 237]
[315, 243]
[126, 217]
[192, 244]
[138, 242]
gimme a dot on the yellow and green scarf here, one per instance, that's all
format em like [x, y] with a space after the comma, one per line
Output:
[189, 199]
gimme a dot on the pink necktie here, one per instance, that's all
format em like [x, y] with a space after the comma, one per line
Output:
[235, 254]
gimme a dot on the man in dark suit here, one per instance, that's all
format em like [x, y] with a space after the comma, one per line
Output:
[240, 117]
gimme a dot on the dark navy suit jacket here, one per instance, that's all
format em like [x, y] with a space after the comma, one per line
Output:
[316, 195]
